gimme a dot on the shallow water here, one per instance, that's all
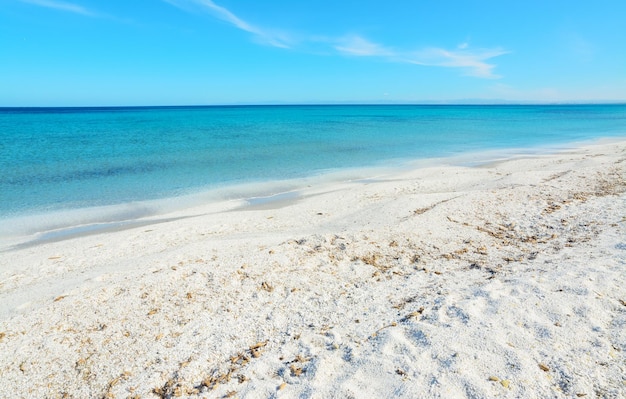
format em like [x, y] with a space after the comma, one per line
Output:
[70, 166]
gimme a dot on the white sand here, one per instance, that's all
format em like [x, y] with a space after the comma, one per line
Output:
[506, 280]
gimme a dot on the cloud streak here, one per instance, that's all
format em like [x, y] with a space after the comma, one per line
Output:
[63, 6]
[263, 35]
[472, 62]
[360, 47]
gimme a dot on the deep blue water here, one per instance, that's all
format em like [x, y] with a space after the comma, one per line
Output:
[56, 159]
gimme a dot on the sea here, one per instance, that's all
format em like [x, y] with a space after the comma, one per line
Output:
[67, 168]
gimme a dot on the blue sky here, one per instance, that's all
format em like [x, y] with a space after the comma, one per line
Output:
[183, 52]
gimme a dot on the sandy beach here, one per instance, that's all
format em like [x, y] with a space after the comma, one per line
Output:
[505, 280]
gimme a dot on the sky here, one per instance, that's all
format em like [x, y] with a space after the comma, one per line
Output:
[208, 52]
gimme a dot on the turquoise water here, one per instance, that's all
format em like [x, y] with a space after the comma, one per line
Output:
[59, 159]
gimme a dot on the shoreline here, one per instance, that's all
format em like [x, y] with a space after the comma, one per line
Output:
[503, 280]
[39, 227]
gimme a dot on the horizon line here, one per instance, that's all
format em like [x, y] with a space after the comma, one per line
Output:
[334, 103]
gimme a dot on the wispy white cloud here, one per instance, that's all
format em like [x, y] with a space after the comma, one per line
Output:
[63, 6]
[358, 46]
[473, 62]
[265, 36]
[229, 17]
